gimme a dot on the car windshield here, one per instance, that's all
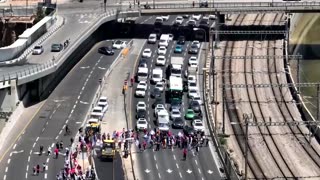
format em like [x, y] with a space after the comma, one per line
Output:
[161, 59]
[178, 47]
[192, 84]
[142, 74]
[194, 46]
[190, 111]
[198, 124]
[156, 76]
[193, 91]
[96, 110]
[55, 45]
[118, 42]
[140, 89]
[175, 112]
[37, 47]
[147, 51]
[103, 100]
[142, 122]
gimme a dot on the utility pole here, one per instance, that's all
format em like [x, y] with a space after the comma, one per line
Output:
[298, 74]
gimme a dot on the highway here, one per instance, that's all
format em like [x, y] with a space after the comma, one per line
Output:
[167, 163]
[68, 104]
[76, 20]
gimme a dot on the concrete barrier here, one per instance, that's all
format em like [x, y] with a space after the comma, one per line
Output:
[25, 39]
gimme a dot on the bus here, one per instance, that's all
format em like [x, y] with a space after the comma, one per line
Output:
[175, 91]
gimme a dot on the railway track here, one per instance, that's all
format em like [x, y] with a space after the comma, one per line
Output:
[268, 155]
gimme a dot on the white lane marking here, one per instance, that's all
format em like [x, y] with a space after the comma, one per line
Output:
[57, 137]
[27, 167]
[154, 157]
[26, 175]
[174, 157]
[74, 106]
[157, 166]
[30, 152]
[9, 160]
[67, 121]
[52, 145]
[72, 111]
[6, 169]
[5, 177]
[15, 145]
[196, 162]
[199, 170]
[48, 160]
[37, 139]
[159, 175]
[10, 154]
[79, 97]
[45, 175]
[180, 174]
[28, 158]
[43, 129]
[177, 165]
[34, 144]
[82, 88]
[64, 126]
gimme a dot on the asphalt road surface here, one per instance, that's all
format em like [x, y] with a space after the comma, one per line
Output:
[68, 104]
[166, 163]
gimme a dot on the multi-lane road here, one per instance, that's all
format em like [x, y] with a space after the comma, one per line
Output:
[68, 104]
[167, 163]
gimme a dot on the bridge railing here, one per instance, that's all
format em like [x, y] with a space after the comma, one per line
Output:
[50, 64]
[235, 5]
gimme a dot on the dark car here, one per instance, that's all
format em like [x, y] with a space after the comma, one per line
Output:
[181, 40]
[141, 113]
[175, 105]
[178, 123]
[195, 106]
[155, 93]
[56, 47]
[157, 101]
[106, 50]
[188, 130]
[204, 23]
[193, 49]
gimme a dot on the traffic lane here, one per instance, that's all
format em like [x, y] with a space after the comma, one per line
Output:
[64, 95]
[144, 19]
[71, 23]
[109, 169]
[84, 98]
[47, 55]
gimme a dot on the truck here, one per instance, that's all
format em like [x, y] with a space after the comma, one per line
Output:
[176, 66]
[163, 120]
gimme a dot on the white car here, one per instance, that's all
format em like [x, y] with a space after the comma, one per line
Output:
[192, 93]
[142, 124]
[159, 107]
[192, 85]
[97, 112]
[179, 20]
[196, 17]
[118, 44]
[37, 50]
[141, 89]
[103, 102]
[205, 17]
[162, 50]
[143, 84]
[152, 38]
[197, 98]
[163, 127]
[175, 113]
[192, 22]
[165, 17]
[160, 86]
[192, 79]
[146, 53]
[141, 105]
[196, 43]
[212, 17]
[193, 61]
[161, 61]
[197, 125]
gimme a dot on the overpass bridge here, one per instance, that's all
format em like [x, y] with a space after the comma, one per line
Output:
[229, 8]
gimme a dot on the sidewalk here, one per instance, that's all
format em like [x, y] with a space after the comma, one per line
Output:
[115, 118]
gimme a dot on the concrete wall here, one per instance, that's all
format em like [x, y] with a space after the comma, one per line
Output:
[27, 38]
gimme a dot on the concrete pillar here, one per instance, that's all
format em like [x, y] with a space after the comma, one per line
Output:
[14, 98]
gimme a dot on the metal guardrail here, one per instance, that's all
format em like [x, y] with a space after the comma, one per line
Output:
[219, 5]
[50, 63]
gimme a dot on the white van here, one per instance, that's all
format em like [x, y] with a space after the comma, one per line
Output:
[164, 40]
[157, 75]
[142, 74]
